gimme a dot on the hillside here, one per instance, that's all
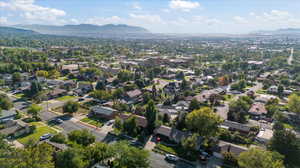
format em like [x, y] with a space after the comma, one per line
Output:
[15, 31]
[87, 30]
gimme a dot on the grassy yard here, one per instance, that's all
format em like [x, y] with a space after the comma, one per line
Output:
[261, 91]
[40, 130]
[94, 121]
[66, 98]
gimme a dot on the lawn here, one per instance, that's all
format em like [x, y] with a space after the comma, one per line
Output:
[94, 121]
[40, 130]
[66, 98]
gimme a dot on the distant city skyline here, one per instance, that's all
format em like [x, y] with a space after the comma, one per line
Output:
[158, 16]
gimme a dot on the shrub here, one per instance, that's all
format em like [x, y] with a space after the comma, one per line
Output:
[58, 138]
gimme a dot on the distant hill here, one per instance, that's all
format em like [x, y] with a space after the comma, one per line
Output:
[16, 31]
[287, 31]
[87, 30]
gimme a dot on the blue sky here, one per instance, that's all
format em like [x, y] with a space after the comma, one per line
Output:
[159, 16]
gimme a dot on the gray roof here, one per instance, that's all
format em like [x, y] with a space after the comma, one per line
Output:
[7, 113]
[103, 110]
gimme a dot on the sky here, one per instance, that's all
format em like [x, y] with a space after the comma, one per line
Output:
[158, 16]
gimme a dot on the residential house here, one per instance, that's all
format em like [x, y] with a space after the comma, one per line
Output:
[15, 128]
[235, 126]
[223, 147]
[171, 134]
[103, 112]
[205, 95]
[263, 98]
[7, 115]
[273, 89]
[57, 92]
[264, 136]
[140, 120]
[133, 96]
[258, 109]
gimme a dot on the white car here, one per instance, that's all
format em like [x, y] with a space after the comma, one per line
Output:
[171, 158]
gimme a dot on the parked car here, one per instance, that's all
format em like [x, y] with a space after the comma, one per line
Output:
[81, 99]
[110, 122]
[45, 136]
[172, 158]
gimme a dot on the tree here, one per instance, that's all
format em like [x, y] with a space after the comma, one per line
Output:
[16, 77]
[5, 102]
[33, 156]
[71, 158]
[100, 85]
[35, 88]
[293, 103]
[70, 107]
[285, 142]
[230, 159]
[118, 93]
[59, 138]
[166, 118]
[238, 110]
[260, 158]
[189, 145]
[194, 104]
[130, 126]
[127, 156]
[280, 90]
[203, 121]
[82, 137]
[42, 73]
[151, 116]
[99, 153]
[34, 110]
[101, 95]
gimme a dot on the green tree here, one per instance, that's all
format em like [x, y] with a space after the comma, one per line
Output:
[71, 107]
[34, 156]
[42, 73]
[82, 137]
[16, 77]
[5, 102]
[34, 110]
[59, 138]
[99, 153]
[194, 105]
[35, 88]
[286, 143]
[130, 157]
[100, 85]
[293, 103]
[71, 158]
[238, 110]
[260, 158]
[203, 121]
[130, 126]
[101, 95]
[151, 116]
[280, 90]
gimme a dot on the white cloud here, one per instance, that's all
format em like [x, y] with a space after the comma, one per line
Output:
[240, 20]
[3, 20]
[32, 12]
[183, 5]
[136, 6]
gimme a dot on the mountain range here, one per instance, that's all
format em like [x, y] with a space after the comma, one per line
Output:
[287, 31]
[87, 30]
